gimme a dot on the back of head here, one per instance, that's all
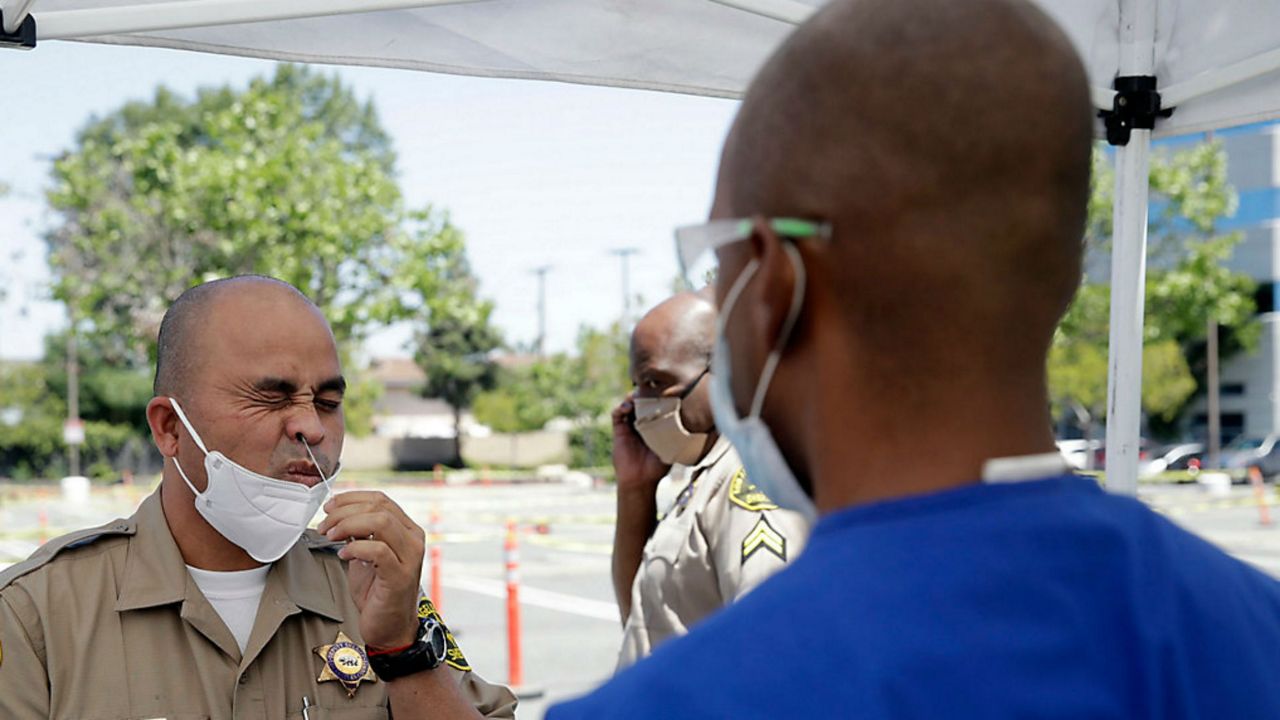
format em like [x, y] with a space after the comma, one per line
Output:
[948, 144]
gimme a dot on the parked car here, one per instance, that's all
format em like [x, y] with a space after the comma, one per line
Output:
[1077, 452]
[1247, 452]
[1170, 458]
[1145, 446]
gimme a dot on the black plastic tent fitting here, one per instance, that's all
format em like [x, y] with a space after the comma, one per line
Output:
[1136, 107]
[23, 39]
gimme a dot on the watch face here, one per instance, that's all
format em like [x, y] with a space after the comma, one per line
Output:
[435, 637]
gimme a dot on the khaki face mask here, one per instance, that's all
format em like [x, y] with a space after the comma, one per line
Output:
[658, 422]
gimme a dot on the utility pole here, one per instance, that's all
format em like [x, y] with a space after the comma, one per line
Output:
[74, 434]
[541, 272]
[625, 254]
[1214, 441]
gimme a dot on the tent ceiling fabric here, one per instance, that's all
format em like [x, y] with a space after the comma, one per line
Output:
[698, 47]
[686, 46]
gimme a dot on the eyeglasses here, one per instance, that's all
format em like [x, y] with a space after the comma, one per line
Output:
[696, 244]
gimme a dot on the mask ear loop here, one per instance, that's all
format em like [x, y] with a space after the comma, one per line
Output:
[797, 300]
[194, 436]
[173, 402]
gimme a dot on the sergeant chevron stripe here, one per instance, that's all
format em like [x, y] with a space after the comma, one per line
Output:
[763, 535]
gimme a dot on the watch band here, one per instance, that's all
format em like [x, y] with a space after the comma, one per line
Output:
[427, 653]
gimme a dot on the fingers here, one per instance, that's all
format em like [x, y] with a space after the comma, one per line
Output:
[379, 554]
[358, 516]
[622, 413]
[355, 502]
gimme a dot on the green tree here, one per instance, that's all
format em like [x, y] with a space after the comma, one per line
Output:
[456, 338]
[291, 176]
[1187, 286]
[582, 386]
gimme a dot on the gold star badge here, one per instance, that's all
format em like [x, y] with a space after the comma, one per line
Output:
[345, 662]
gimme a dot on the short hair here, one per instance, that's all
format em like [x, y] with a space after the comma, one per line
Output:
[174, 359]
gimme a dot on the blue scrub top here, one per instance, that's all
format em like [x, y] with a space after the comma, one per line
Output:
[1042, 599]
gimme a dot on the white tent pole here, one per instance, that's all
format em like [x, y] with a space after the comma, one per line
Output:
[15, 11]
[1129, 261]
[787, 11]
[1103, 98]
[1208, 82]
[69, 24]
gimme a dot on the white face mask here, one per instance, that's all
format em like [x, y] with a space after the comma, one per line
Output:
[658, 422]
[764, 463]
[262, 515]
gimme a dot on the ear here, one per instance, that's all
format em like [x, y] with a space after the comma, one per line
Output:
[164, 425]
[775, 283]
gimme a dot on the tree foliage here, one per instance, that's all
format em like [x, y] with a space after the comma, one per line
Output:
[1187, 286]
[455, 337]
[291, 176]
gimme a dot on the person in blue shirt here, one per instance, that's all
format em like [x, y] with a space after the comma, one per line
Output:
[898, 227]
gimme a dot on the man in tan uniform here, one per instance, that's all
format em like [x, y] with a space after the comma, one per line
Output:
[720, 536]
[211, 602]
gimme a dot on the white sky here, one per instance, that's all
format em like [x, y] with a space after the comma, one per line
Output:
[535, 173]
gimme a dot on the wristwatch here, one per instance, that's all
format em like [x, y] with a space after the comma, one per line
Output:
[426, 653]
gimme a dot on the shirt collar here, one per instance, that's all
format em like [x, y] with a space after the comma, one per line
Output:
[718, 449]
[155, 573]
[1024, 467]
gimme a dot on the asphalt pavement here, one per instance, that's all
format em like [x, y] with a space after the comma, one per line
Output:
[570, 632]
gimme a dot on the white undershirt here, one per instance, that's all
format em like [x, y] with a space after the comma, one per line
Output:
[235, 596]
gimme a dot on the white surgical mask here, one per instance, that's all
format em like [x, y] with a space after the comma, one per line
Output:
[765, 465]
[658, 422]
[262, 515]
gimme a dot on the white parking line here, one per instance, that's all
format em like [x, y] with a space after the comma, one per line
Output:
[548, 599]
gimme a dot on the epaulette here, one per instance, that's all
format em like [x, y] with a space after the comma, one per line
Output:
[50, 550]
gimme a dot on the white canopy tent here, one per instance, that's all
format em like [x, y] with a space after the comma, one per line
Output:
[1216, 63]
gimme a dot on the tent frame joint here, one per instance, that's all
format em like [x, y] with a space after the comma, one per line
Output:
[24, 38]
[1135, 107]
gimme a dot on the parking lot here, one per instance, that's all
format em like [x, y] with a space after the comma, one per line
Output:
[570, 625]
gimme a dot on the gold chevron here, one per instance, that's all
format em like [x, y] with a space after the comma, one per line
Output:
[763, 535]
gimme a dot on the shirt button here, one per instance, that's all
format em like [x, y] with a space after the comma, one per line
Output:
[243, 679]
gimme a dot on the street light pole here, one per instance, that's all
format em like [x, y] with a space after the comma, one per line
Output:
[541, 272]
[625, 254]
[73, 392]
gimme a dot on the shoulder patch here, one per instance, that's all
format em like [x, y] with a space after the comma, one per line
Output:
[453, 655]
[50, 550]
[763, 536]
[744, 494]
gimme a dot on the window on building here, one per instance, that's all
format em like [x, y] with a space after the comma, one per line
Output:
[1265, 297]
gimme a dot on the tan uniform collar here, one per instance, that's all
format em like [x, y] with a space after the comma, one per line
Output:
[155, 573]
[713, 456]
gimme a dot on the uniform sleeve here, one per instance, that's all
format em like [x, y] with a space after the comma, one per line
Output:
[490, 700]
[751, 538]
[24, 681]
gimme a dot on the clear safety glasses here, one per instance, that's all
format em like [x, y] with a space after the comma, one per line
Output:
[696, 244]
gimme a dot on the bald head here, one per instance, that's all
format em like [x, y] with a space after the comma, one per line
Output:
[677, 333]
[181, 340]
[948, 144]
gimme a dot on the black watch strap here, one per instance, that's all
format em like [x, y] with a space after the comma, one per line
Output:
[427, 653]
